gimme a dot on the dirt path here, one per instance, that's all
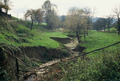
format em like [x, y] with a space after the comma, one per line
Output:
[45, 68]
[72, 44]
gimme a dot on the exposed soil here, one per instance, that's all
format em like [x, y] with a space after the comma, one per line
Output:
[42, 52]
[72, 44]
[79, 48]
[73, 36]
[45, 70]
[62, 40]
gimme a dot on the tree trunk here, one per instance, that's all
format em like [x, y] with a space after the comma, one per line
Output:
[0, 9]
[84, 35]
[87, 27]
[31, 24]
[38, 23]
[6, 11]
[104, 28]
[108, 28]
[87, 31]
[77, 35]
[118, 25]
[17, 65]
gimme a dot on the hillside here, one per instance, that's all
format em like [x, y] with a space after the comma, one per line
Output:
[28, 47]
[18, 33]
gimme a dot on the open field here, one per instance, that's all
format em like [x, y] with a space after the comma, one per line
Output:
[97, 40]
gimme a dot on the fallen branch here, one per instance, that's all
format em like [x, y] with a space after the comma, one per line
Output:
[101, 48]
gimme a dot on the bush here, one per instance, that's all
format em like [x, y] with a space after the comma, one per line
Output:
[114, 30]
[65, 54]
[104, 68]
[28, 24]
[46, 57]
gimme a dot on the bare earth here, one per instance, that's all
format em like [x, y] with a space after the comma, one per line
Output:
[45, 68]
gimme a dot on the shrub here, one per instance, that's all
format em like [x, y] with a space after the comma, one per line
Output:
[65, 54]
[104, 68]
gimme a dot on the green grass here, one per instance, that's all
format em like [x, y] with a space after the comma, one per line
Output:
[44, 23]
[97, 40]
[56, 34]
[18, 34]
[112, 30]
[15, 18]
[43, 39]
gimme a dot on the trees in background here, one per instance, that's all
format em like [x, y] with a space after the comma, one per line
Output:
[48, 7]
[52, 20]
[38, 15]
[76, 21]
[50, 13]
[30, 14]
[97, 24]
[117, 13]
[34, 15]
[109, 22]
[103, 23]
[63, 18]
[89, 13]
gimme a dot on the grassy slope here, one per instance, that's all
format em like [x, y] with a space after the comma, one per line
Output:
[97, 40]
[16, 33]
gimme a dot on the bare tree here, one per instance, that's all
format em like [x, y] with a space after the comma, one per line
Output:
[30, 14]
[38, 15]
[76, 21]
[34, 15]
[5, 5]
[117, 12]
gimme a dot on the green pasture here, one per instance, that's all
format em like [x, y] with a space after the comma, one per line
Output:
[97, 40]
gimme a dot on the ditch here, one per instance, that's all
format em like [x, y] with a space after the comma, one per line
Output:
[51, 67]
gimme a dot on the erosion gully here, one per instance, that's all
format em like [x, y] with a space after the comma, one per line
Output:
[44, 71]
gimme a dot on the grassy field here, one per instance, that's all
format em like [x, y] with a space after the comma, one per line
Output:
[97, 40]
[43, 39]
[19, 34]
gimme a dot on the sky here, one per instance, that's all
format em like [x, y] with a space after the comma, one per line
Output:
[102, 7]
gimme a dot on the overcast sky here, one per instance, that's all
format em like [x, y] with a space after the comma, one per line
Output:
[102, 7]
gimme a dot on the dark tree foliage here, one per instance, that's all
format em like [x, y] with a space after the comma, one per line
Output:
[100, 24]
[50, 13]
[52, 20]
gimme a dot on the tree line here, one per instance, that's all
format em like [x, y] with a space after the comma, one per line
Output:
[77, 20]
[104, 23]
